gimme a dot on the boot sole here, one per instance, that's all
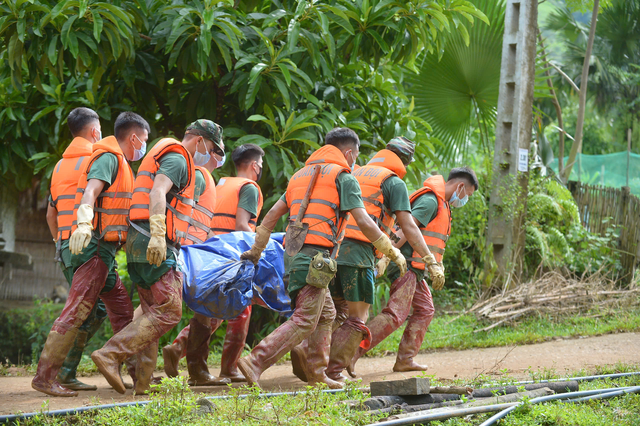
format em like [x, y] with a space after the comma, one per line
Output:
[406, 369]
[114, 381]
[82, 387]
[48, 392]
[235, 379]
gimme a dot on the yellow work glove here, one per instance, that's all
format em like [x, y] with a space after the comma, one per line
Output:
[384, 246]
[82, 235]
[435, 270]
[157, 248]
[381, 266]
[262, 238]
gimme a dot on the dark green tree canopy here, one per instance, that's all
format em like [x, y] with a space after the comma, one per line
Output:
[276, 73]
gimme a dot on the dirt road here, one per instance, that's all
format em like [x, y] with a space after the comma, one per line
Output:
[563, 356]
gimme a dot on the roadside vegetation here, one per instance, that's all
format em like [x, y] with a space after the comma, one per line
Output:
[175, 403]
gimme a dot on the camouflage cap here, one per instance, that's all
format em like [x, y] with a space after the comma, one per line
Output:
[207, 129]
[403, 148]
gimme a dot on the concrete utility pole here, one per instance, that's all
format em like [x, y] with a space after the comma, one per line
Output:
[508, 204]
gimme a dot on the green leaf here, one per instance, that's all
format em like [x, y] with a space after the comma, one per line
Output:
[293, 31]
[97, 24]
[120, 13]
[66, 30]
[42, 113]
[255, 71]
[252, 92]
[257, 117]
[52, 51]
[285, 73]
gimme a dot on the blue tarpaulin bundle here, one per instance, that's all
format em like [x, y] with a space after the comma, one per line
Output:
[219, 285]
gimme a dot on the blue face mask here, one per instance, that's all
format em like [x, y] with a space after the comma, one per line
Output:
[456, 201]
[139, 153]
[200, 159]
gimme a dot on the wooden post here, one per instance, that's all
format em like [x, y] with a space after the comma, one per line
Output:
[506, 233]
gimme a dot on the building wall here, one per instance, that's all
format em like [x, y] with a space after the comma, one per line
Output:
[33, 237]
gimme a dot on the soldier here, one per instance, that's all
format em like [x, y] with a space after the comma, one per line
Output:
[84, 125]
[160, 214]
[386, 200]
[105, 186]
[430, 208]
[325, 188]
[238, 205]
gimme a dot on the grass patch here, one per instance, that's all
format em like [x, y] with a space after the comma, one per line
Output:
[449, 332]
[176, 404]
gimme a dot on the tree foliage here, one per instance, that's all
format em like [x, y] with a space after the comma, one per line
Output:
[276, 73]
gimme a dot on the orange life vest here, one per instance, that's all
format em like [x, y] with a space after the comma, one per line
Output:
[64, 183]
[323, 213]
[203, 210]
[112, 205]
[437, 232]
[228, 191]
[180, 208]
[382, 166]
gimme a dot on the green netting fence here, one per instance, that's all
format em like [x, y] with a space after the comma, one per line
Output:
[609, 170]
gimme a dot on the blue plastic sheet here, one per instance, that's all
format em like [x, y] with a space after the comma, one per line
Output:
[218, 285]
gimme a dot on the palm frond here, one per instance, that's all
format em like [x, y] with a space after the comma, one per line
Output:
[460, 90]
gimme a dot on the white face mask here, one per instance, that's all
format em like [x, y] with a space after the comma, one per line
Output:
[200, 159]
[456, 201]
[99, 134]
[139, 153]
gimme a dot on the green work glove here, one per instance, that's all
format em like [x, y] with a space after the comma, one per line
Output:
[262, 238]
[157, 248]
[384, 246]
[82, 235]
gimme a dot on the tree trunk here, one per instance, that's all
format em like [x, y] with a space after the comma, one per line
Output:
[556, 104]
[576, 147]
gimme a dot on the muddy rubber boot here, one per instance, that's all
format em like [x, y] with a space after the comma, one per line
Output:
[197, 354]
[392, 316]
[345, 341]
[67, 373]
[269, 351]
[381, 327]
[118, 305]
[415, 330]
[173, 352]
[318, 359]
[299, 360]
[234, 341]
[50, 362]
[130, 363]
[342, 313]
[309, 306]
[145, 366]
[299, 353]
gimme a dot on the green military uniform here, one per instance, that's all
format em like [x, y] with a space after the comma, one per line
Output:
[298, 266]
[355, 280]
[174, 166]
[248, 199]
[104, 168]
[201, 185]
[425, 209]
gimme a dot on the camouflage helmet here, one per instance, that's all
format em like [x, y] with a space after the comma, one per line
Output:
[403, 148]
[208, 130]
